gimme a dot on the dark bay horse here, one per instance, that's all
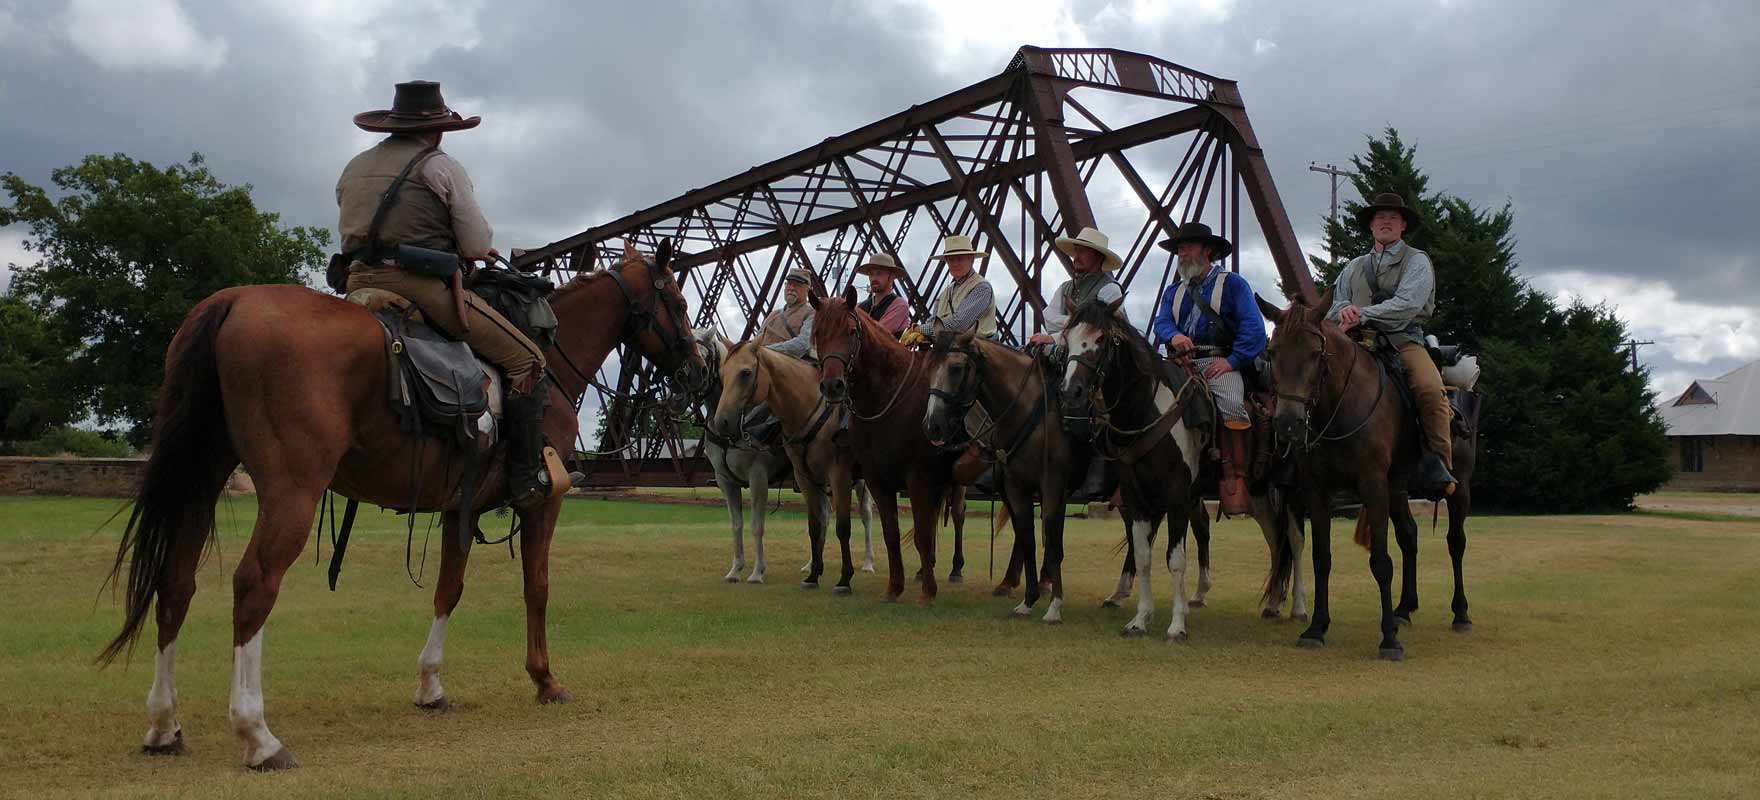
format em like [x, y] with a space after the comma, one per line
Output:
[886, 388]
[1339, 410]
[293, 385]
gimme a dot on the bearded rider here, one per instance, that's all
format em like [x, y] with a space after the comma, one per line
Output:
[1209, 314]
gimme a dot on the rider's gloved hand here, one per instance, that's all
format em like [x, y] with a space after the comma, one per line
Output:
[912, 337]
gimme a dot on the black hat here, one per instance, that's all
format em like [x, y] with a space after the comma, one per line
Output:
[1199, 232]
[416, 108]
[1388, 201]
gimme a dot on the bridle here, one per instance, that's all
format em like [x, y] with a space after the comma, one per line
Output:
[848, 361]
[966, 394]
[1309, 399]
[641, 317]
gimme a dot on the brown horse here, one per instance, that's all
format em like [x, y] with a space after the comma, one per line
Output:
[886, 388]
[1367, 443]
[292, 384]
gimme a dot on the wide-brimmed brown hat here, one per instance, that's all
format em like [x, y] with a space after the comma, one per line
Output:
[1388, 201]
[1198, 232]
[881, 262]
[1092, 239]
[416, 108]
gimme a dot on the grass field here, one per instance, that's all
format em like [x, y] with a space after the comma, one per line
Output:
[1613, 657]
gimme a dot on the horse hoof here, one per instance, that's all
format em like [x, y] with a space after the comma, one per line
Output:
[1299, 617]
[1393, 654]
[1463, 627]
[1109, 603]
[1270, 613]
[1052, 620]
[560, 698]
[840, 591]
[755, 579]
[1307, 643]
[1023, 611]
[807, 586]
[1403, 622]
[1134, 633]
[437, 704]
[175, 748]
[1178, 637]
[1002, 591]
[926, 601]
[1195, 604]
[956, 578]
[732, 579]
[275, 763]
[890, 598]
[868, 567]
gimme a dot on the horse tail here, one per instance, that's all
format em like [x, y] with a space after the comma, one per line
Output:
[1361, 536]
[188, 467]
[1283, 556]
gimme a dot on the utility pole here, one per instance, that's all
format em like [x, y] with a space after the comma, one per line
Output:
[1336, 173]
[1632, 348]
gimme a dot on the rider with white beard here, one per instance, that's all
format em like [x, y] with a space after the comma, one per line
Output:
[1209, 313]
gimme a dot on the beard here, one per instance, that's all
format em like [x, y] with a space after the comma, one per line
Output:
[1192, 267]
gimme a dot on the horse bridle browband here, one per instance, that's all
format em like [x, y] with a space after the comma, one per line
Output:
[1309, 400]
[848, 362]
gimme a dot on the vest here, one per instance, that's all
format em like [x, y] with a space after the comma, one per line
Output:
[417, 218]
[1367, 290]
[877, 310]
[955, 294]
[1222, 332]
[785, 324]
[1082, 289]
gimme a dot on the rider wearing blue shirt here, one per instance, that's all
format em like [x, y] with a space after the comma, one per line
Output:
[1209, 313]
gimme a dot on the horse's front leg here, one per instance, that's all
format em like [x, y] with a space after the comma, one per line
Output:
[537, 527]
[1127, 572]
[1178, 517]
[926, 499]
[866, 504]
[730, 493]
[957, 505]
[759, 478]
[840, 510]
[1459, 505]
[1320, 520]
[818, 503]
[1376, 513]
[1200, 534]
[447, 592]
[1019, 502]
[1405, 532]
[886, 502]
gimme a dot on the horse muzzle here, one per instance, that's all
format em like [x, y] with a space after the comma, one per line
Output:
[835, 390]
[1290, 426]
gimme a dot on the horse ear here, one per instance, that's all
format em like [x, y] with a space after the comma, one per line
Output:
[629, 251]
[663, 256]
[814, 300]
[1114, 305]
[966, 337]
[1326, 300]
[1270, 311]
[726, 346]
[849, 296]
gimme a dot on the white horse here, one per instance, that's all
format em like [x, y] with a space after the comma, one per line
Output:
[743, 466]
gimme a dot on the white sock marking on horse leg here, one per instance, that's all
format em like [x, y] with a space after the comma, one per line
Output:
[246, 710]
[1123, 592]
[162, 727]
[1299, 602]
[1203, 584]
[1054, 612]
[735, 523]
[1176, 570]
[428, 689]
[1145, 599]
[867, 505]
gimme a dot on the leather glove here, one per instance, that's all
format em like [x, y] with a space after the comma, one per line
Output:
[912, 337]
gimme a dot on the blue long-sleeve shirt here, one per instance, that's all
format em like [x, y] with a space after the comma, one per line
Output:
[1237, 307]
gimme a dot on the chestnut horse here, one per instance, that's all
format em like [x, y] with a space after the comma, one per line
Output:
[886, 388]
[293, 385]
[1367, 443]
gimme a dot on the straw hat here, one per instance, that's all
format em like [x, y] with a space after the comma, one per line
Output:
[881, 262]
[415, 108]
[957, 245]
[1093, 240]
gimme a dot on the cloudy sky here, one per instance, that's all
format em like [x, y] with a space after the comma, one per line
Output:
[1623, 132]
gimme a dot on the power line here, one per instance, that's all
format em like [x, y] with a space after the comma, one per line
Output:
[1335, 173]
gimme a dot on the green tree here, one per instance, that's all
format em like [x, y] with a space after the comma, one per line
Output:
[1567, 425]
[33, 367]
[125, 250]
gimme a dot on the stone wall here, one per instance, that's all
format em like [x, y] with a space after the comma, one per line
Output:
[1731, 463]
[83, 477]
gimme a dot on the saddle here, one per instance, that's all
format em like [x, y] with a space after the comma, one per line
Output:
[436, 384]
[1463, 402]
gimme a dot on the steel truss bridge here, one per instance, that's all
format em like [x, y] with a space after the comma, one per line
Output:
[1060, 140]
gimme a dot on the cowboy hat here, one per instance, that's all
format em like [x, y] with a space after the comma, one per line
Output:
[1388, 201]
[416, 108]
[881, 262]
[957, 245]
[1198, 232]
[800, 275]
[1093, 240]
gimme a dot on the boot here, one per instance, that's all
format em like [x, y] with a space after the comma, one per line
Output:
[1434, 481]
[528, 481]
[970, 465]
[1232, 490]
[1093, 488]
[986, 481]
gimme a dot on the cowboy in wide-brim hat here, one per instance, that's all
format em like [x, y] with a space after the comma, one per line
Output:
[1199, 232]
[1091, 239]
[1388, 201]
[881, 262]
[417, 107]
[958, 245]
[884, 304]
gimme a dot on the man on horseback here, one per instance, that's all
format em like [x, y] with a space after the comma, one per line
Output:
[1092, 263]
[789, 330]
[1392, 291]
[409, 216]
[883, 305]
[1209, 313]
[967, 303]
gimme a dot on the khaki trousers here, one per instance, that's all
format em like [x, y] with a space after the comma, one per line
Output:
[1426, 385]
[491, 335]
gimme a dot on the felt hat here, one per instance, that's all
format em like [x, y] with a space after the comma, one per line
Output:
[417, 107]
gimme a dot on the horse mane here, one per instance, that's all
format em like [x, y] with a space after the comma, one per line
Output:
[1099, 314]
